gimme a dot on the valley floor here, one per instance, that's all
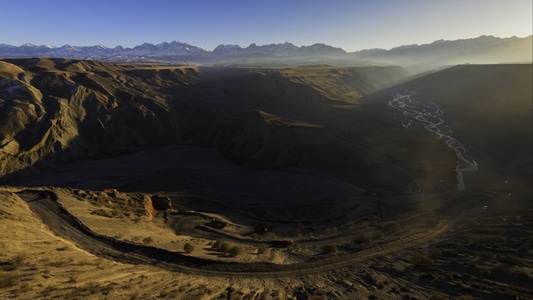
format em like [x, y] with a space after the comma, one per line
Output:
[106, 243]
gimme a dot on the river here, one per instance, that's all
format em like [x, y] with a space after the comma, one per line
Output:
[431, 117]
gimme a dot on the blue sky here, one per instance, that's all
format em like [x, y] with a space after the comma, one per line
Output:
[349, 24]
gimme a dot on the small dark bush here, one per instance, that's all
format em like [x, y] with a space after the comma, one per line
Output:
[512, 260]
[220, 246]
[234, 251]
[262, 248]
[216, 245]
[362, 239]
[391, 227]
[224, 248]
[329, 248]
[188, 247]
[420, 260]
[464, 297]
[8, 280]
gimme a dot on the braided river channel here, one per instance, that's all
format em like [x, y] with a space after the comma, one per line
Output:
[430, 116]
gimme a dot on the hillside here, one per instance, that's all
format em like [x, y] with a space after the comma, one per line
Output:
[480, 50]
[58, 111]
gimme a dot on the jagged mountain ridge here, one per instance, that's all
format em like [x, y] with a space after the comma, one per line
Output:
[484, 49]
[164, 49]
[68, 51]
[285, 49]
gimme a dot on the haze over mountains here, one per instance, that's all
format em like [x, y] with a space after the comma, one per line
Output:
[484, 49]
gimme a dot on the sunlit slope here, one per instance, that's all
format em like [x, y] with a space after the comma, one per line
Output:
[54, 111]
[344, 84]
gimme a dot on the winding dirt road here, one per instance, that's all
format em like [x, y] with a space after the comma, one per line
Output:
[68, 227]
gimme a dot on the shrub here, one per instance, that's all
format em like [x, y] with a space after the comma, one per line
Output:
[420, 260]
[362, 239]
[329, 248]
[464, 297]
[512, 260]
[103, 212]
[256, 236]
[224, 248]
[188, 247]
[271, 236]
[262, 248]
[220, 246]
[485, 271]
[485, 255]
[319, 295]
[439, 296]
[331, 230]
[8, 280]
[216, 245]
[523, 248]
[13, 263]
[391, 227]
[234, 251]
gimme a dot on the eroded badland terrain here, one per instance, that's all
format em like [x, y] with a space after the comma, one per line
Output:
[319, 182]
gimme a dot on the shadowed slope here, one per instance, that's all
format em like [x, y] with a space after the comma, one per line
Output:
[489, 109]
[58, 111]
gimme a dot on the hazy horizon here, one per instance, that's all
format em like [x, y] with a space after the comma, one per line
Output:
[350, 25]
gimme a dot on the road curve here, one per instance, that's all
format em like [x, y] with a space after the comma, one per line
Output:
[68, 227]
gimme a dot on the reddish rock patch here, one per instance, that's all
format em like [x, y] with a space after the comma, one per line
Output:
[156, 204]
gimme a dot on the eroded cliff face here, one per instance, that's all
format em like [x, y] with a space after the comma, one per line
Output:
[55, 111]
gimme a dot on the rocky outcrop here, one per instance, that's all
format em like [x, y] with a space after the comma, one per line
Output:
[156, 204]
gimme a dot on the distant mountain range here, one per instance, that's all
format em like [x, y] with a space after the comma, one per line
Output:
[481, 50]
[484, 49]
[165, 49]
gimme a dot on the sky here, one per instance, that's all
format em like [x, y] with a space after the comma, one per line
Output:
[348, 24]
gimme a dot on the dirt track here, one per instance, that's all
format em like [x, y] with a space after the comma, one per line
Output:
[67, 226]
